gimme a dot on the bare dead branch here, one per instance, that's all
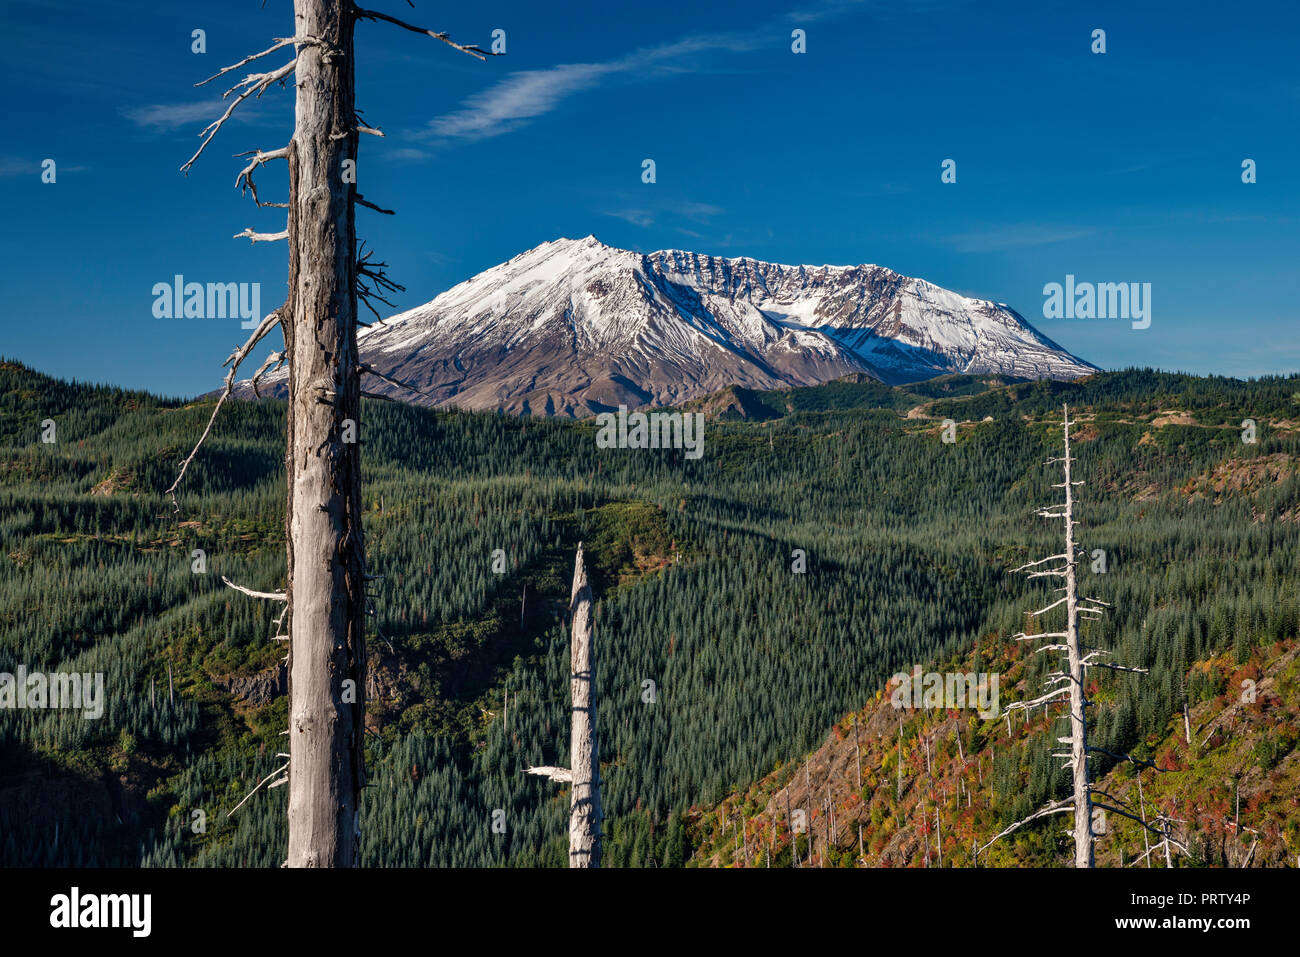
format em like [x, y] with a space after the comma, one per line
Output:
[369, 205]
[1133, 817]
[1055, 807]
[260, 237]
[473, 51]
[552, 773]
[275, 357]
[373, 282]
[1107, 664]
[256, 789]
[244, 181]
[239, 355]
[1043, 611]
[1040, 701]
[368, 130]
[1041, 561]
[269, 595]
[256, 83]
[369, 370]
[1127, 757]
[280, 44]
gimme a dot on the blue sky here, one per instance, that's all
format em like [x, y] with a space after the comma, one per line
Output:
[1118, 167]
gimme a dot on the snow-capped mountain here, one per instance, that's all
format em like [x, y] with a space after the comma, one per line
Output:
[575, 327]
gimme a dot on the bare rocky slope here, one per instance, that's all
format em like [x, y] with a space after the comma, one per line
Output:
[575, 327]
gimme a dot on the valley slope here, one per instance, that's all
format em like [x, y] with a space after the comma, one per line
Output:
[908, 541]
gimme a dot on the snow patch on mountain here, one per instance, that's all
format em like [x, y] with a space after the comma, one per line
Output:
[575, 327]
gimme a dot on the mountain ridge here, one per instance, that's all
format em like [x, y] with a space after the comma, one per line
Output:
[574, 327]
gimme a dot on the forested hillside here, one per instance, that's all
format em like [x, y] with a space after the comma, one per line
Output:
[907, 787]
[905, 544]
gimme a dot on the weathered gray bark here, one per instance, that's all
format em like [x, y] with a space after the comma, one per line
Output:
[584, 752]
[938, 833]
[857, 745]
[325, 595]
[583, 773]
[325, 550]
[1083, 843]
[789, 823]
[898, 788]
[1142, 806]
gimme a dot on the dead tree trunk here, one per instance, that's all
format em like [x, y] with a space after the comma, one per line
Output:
[898, 788]
[1142, 806]
[583, 772]
[857, 745]
[584, 801]
[325, 593]
[807, 810]
[938, 834]
[1068, 686]
[327, 655]
[1083, 845]
[789, 821]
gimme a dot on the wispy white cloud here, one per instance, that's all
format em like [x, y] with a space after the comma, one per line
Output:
[1015, 237]
[18, 167]
[170, 116]
[527, 94]
[637, 217]
[517, 99]
[404, 154]
[700, 211]
[692, 211]
[13, 167]
[164, 117]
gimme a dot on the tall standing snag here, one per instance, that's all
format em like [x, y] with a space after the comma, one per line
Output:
[326, 567]
[584, 751]
[584, 802]
[325, 592]
[1083, 844]
[1068, 686]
